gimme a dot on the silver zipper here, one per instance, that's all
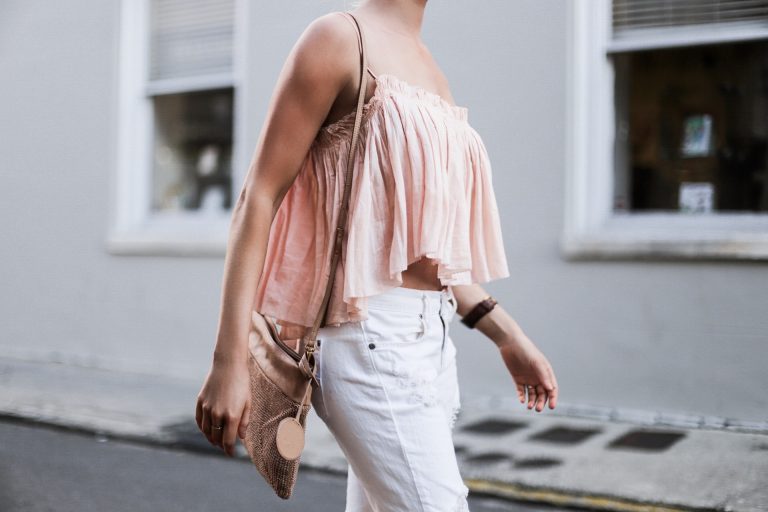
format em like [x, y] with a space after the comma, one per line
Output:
[273, 330]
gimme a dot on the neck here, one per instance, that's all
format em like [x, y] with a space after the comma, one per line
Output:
[401, 16]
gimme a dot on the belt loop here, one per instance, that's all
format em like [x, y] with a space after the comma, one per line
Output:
[445, 298]
[451, 298]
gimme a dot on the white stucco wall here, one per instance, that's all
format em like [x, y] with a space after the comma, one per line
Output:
[673, 336]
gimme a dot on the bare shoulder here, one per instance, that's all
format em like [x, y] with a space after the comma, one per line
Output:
[439, 77]
[329, 30]
[327, 48]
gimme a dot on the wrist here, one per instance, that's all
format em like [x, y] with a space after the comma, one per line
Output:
[507, 341]
[228, 357]
[511, 338]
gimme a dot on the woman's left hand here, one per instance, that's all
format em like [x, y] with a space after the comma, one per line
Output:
[531, 372]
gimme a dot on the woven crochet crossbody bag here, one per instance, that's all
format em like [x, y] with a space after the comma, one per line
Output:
[282, 377]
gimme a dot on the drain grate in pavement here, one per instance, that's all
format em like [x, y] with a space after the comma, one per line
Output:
[494, 426]
[489, 458]
[647, 440]
[537, 463]
[564, 435]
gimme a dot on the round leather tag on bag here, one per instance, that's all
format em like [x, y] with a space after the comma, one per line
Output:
[290, 438]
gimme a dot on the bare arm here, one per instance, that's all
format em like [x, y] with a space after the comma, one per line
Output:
[307, 86]
[320, 65]
[497, 325]
[525, 362]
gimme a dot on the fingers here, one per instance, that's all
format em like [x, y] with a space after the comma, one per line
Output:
[205, 426]
[244, 420]
[535, 382]
[538, 394]
[553, 398]
[531, 396]
[220, 429]
[210, 420]
[550, 387]
[553, 393]
[521, 393]
[217, 429]
[541, 397]
[229, 435]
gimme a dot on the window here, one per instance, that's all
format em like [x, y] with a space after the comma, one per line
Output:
[178, 126]
[668, 129]
[192, 151]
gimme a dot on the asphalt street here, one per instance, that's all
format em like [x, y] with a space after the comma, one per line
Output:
[46, 469]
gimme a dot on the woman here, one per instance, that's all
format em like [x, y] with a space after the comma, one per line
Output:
[423, 231]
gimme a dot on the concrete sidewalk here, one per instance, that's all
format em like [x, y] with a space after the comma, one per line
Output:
[578, 456]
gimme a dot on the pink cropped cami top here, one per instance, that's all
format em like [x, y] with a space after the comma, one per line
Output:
[421, 187]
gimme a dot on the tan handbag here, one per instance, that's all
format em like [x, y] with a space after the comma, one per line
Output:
[282, 377]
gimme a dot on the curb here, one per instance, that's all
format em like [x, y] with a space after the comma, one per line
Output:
[543, 495]
[496, 489]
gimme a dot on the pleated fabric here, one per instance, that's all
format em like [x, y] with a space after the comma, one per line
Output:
[421, 187]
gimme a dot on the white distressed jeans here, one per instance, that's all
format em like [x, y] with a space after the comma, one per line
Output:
[389, 394]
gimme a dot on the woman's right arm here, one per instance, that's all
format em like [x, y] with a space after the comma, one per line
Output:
[321, 66]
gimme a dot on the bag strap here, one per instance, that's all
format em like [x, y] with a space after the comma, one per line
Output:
[342, 217]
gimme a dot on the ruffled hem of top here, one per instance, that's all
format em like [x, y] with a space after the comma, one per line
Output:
[422, 187]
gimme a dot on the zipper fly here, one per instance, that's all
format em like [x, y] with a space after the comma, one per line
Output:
[424, 325]
[442, 346]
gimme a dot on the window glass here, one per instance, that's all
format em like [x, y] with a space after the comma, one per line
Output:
[192, 150]
[692, 128]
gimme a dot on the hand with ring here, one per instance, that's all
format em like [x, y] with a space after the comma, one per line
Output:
[223, 404]
[531, 372]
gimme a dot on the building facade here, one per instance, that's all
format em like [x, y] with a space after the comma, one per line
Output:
[628, 143]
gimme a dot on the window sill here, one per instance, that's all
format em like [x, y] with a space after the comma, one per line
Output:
[172, 236]
[671, 236]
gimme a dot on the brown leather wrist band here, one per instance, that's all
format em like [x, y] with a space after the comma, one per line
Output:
[481, 309]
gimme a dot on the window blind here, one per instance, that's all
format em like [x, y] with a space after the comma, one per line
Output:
[645, 24]
[644, 14]
[190, 38]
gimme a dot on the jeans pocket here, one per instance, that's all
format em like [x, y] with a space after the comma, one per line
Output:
[407, 372]
[394, 326]
[405, 357]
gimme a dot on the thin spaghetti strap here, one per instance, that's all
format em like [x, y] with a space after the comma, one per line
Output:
[357, 28]
[349, 17]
